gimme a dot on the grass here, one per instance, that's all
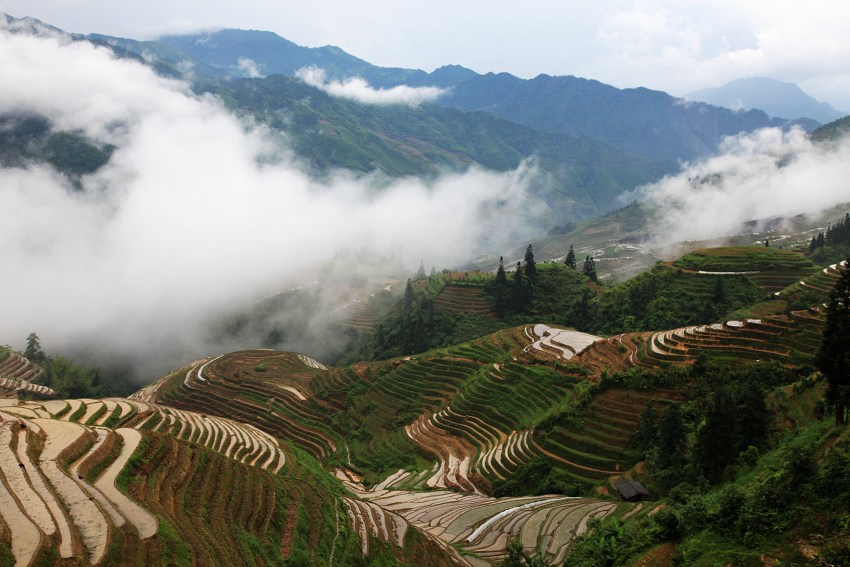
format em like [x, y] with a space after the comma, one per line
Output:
[175, 550]
[81, 411]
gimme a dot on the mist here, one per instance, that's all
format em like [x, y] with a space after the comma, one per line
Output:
[357, 89]
[196, 213]
[761, 175]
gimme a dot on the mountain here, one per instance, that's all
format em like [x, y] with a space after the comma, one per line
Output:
[832, 131]
[776, 98]
[581, 177]
[640, 120]
[250, 53]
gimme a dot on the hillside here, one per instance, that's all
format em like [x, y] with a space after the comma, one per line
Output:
[443, 457]
[580, 177]
[640, 121]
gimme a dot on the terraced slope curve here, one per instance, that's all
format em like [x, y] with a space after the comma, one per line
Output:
[482, 526]
[464, 300]
[124, 482]
[17, 375]
[772, 269]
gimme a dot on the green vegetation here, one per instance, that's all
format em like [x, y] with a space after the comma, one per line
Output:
[331, 132]
[69, 379]
[832, 245]
[833, 359]
[538, 476]
[73, 381]
[665, 298]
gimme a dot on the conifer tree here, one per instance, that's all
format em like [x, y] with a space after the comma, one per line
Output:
[501, 277]
[33, 352]
[408, 294]
[518, 296]
[589, 268]
[571, 258]
[420, 273]
[833, 358]
[500, 289]
[530, 265]
[672, 444]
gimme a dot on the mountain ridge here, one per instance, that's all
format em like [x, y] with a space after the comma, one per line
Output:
[777, 98]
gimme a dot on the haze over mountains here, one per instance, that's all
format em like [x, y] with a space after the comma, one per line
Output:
[642, 121]
[777, 98]
[631, 297]
[511, 159]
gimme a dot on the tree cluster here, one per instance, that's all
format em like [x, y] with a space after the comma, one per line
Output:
[833, 358]
[69, 379]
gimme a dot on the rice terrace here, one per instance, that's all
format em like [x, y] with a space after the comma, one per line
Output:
[627, 342]
[511, 444]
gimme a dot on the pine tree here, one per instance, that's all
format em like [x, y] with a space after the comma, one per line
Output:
[833, 358]
[518, 295]
[715, 447]
[501, 277]
[420, 273]
[500, 289]
[672, 444]
[571, 258]
[433, 271]
[408, 294]
[589, 268]
[530, 265]
[33, 352]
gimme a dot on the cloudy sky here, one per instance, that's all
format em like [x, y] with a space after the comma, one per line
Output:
[664, 44]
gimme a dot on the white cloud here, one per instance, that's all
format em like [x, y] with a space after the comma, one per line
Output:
[757, 176]
[194, 211]
[359, 90]
[684, 47]
[249, 67]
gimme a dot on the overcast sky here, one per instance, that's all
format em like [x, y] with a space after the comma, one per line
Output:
[664, 44]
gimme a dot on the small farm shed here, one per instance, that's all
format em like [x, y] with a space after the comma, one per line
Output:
[631, 490]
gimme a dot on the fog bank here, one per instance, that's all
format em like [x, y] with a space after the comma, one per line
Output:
[195, 211]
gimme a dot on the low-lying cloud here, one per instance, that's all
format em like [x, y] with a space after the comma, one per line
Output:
[764, 174]
[195, 211]
[359, 90]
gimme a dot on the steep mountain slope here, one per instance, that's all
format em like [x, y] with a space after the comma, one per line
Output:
[539, 416]
[240, 53]
[581, 176]
[776, 98]
[832, 131]
[638, 120]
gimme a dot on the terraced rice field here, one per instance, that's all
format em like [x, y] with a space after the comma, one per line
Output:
[17, 375]
[269, 389]
[558, 343]
[482, 526]
[771, 269]
[359, 314]
[598, 449]
[774, 337]
[465, 299]
[49, 450]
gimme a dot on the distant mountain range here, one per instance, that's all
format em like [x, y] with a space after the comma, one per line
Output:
[774, 97]
[590, 141]
[642, 121]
